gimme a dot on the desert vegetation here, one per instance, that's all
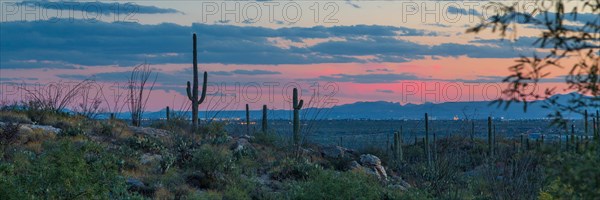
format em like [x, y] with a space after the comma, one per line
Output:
[49, 151]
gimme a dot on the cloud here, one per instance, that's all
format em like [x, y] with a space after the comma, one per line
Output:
[369, 78]
[71, 44]
[379, 70]
[384, 91]
[104, 8]
[245, 72]
[462, 11]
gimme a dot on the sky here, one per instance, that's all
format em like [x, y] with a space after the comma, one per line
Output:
[335, 52]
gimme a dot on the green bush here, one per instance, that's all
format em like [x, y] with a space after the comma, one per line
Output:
[328, 184]
[146, 144]
[69, 130]
[574, 175]
[14, 117]
[64, 171]
[295, 169]
[104, 129]
[211, 159]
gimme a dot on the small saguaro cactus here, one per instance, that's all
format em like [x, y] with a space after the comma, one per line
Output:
[112, 116]
[572, 133]
[247, 119]
[597, 136]
[192, 90]
[426, 142]
[296, 105]
[472, 130]
[265, 121]
[400, 142]
[168, 113]
[490, 135]
[585, 122]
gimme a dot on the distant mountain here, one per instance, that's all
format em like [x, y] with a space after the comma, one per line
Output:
[380, 110]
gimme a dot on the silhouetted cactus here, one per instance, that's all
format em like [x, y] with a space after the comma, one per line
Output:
[168, 113]
[192, 91]
[490, 137]
[247, 119]
[400, 142]
[296, 105]
[585, 122]
[265, 121]
[472, 130]
[572, 133]
[426, 142]
[112, 116]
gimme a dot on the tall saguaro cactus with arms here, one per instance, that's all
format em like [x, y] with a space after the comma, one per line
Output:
[296, 105]
[192, 91]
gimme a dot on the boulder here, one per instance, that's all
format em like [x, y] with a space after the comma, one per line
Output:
[370, 160]
[397, 187]
[354, 165]
[25, 130]
[333, 151]
[132, 182]
[45, 128]
[247, 137]
[149, 158]
[240, 145]
[373, 166]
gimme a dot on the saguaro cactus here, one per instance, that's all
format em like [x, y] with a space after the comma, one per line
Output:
[490, 135]
[296, 105]
[168, 113]
[401, 141]
[472, 130]
[247, 119]
[426, 142]
[585, 122]
[264, 119]
[192, 91]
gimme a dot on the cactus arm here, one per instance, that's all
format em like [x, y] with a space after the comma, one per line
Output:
[204, 83]
[299, 106]
[189, 92]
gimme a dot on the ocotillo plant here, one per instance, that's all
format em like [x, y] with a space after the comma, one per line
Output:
[168, 113]
[247, 119]
[490, 144]
[296, 105]
[426, 142]
[192, 91]
[264, 119]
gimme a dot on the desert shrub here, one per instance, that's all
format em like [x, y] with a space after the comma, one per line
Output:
[268, 138]
[72, 130]
[295, 169]
[63, 171]
[217, 128]
[573, 175]
[183, 148]
[209, 167]
[328, 184]
[9, 134]
[104, 129]
[211, 159]
[14, 117]
[235, 193]
[145, 143]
